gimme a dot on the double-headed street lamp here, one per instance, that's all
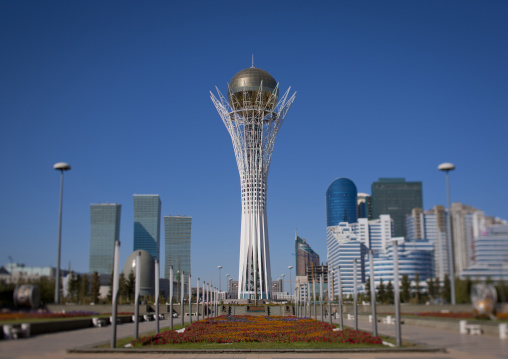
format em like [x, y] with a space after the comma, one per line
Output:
[447, 167]
[60, 166]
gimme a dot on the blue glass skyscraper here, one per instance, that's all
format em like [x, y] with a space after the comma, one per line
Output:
[104, 231]
[341, 202]
[177, 235]
[147, 223]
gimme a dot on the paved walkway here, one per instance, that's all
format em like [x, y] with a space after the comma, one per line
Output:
[53, 346]
[460, 346]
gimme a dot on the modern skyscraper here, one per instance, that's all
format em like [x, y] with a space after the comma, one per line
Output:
[341, 203]
[396, 197]
[305, 256]
[147, 223]
[104, 231]
[343, 247]
[364, 205]
[253, 115]
[177, 239]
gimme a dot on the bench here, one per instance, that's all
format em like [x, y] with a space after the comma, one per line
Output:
[148, 317]
[388, 320]
[15, 331]
[350, 317]
[473, 329]
[139, 317]
[99, 322]
[118, 320]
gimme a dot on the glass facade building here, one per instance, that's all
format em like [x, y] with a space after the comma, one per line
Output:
[396, 197]
[177, 237]
[104, 231]
[364, 205]
[305, 256]
[147, 223]
[341, 205]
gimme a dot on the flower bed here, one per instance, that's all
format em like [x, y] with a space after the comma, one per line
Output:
[238, 329]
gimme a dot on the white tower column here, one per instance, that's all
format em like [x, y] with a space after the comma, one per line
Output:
[253, 114]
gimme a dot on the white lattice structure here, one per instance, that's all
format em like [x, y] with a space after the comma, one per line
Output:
[253, 116]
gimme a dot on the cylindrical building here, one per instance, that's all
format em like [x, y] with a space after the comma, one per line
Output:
[253, 114]
[341, 202]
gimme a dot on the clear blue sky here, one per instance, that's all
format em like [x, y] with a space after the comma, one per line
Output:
[120, 90]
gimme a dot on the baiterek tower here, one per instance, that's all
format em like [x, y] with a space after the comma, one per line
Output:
[253, 114]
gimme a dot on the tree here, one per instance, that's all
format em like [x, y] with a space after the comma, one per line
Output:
[131, 286]
[431, 290]
[47, 289]
[405, 285]
[416, 294]
[502, 291]
[367, 290]
[437, 288]
[381, 293]
[389, 293]
[83, 289]
[122, 288]
[447, 292]
[110, 285]
[73, 287]
[95, 287]
[361, 297]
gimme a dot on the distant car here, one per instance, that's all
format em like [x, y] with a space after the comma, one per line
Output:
[175, 315]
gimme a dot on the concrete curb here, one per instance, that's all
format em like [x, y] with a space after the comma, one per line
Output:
[92, 350]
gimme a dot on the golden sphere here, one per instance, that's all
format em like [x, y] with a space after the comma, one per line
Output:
[244, 90]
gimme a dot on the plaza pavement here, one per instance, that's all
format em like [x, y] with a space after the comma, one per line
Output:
[54, 346]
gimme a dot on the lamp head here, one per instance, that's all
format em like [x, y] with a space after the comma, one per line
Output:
[447, 166]
[62, 166]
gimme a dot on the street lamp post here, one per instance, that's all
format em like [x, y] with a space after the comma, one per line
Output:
[220, 287]
[60, 166]
[227, 277]
[447, 167]
[290, 284]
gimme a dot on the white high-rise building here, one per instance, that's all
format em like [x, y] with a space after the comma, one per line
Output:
[253, 114]
[349, 241]
[431, 225]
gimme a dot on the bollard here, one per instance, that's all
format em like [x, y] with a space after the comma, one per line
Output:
[462, 327]
[502, 330]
